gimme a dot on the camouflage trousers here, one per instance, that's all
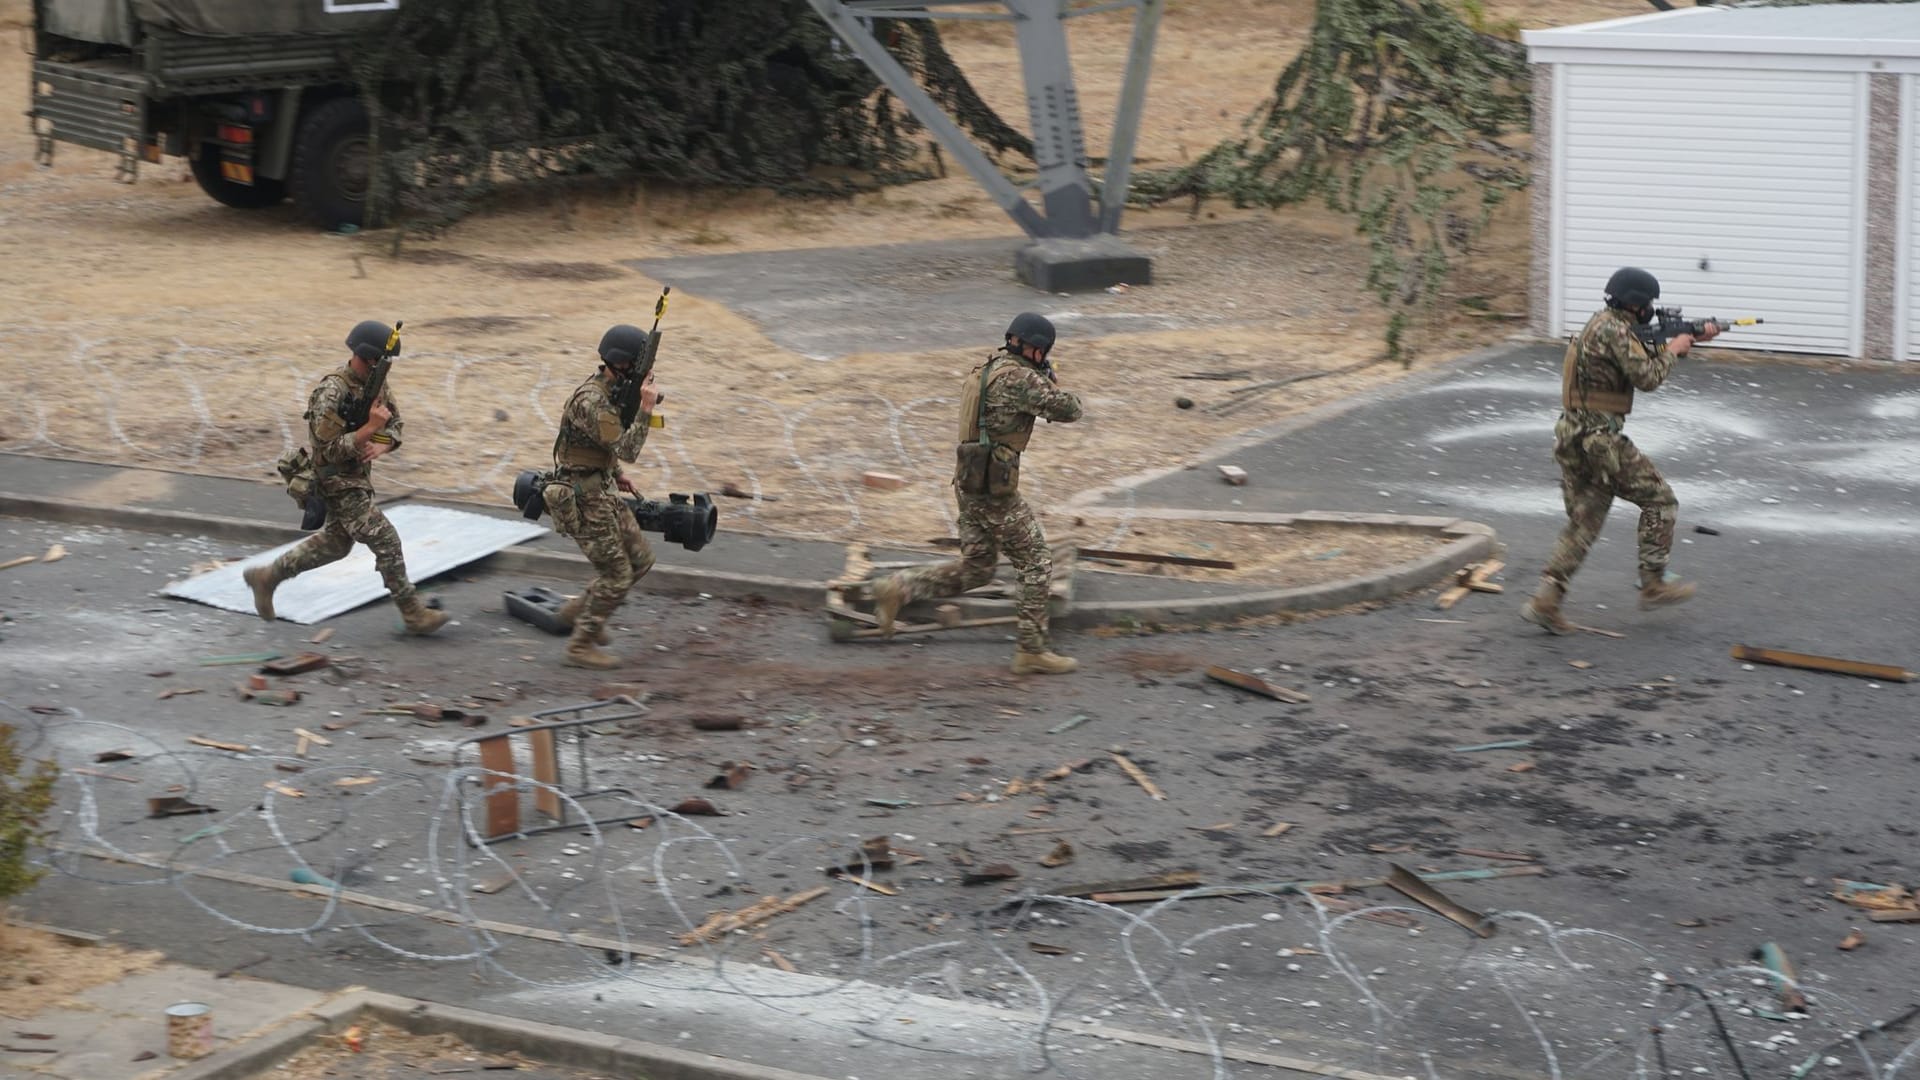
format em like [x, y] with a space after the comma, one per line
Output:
[1595, 468]
[988, 527]
[612, 541]
[351, 517]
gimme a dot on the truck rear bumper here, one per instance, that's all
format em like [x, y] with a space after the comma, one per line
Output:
[100, 104]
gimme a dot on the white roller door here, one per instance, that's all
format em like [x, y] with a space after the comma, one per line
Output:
[1741, 190]
[1910, 203]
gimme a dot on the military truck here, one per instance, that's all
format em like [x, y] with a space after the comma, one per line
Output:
[257, 95]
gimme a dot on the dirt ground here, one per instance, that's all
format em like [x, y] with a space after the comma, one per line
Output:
[388, 1052]
[152, 326]
[38, 969]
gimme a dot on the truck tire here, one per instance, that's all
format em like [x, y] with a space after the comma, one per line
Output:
[262, 193]
[332, 164]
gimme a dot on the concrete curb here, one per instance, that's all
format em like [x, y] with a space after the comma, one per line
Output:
[556, 564]
[1470, 542]
[548, 1043]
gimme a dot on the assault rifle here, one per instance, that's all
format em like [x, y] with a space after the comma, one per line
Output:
[1668, 324]
[626, 392]
[355, 409]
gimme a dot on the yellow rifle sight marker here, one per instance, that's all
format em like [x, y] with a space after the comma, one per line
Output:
[393, 339]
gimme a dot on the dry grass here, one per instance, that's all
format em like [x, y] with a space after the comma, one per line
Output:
[38, 970]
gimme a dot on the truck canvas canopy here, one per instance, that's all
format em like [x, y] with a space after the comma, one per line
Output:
[238, 18]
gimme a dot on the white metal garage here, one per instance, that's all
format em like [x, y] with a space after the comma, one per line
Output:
[1753, 158]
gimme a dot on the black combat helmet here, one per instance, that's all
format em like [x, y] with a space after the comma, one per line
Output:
[622, 345]
[1632, 288]
[1033, 329]
[369, 339]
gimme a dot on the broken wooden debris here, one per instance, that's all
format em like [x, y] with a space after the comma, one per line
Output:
[1410, 885]
[1510, 744]
[883, 890]
[296, 665]
[1233, 474]
[988, 874]
[55, 553]
[695, 808]
[321, 638]
[890, 804]
[1045, 949]
[81, 770]
[1179, 879]
[1853, 940]
[280, 788]
[180, 691]
[1901, 916]
[1067, 769]
[1257, 685]
[1129, 556]
[1341, 906]
[779, 961]
[1218, 826]
[1809, 662]
[1139, 777]
[1873, 897]
[288, 767]
[161, 806]
[1272, 888]
[716, 722]
[280, 698]
[1474, 577]
[881, 481]
[21, 561]
[1597, 630]
[107, 756]
[1277, 828]
[1786, 979]
[238, 658]
[722, 923]
[311, 737]
[1061, 855]
[1581, 664]
[1704, 530]
[356, 781]
[1451, 596]
[1522, 766]
[731, 777]
[493, 883]
[237, 748]
[256, 682]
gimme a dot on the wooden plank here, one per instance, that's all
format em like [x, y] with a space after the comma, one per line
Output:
[503, 806]
[234, 747]
[1180, 879]
[1257, 685]
[1451, 597]
[1807, 661]
[1132, 556]
[21, 561]
[1140, 777]
[546, 770]
[1406, 883]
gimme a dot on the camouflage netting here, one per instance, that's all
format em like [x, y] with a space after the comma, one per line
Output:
[747, 93]
[1393, 112]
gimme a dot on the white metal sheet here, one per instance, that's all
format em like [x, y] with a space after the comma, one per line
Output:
[1740, 203]
[435, 540]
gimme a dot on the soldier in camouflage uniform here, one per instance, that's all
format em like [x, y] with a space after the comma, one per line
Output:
[1604, 365]
[343, 471]
[584, 497]
[1000, 401]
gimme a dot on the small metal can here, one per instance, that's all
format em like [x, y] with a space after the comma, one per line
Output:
[189, 1030]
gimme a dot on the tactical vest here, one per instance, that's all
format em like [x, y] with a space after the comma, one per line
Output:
[1617, 402]
[332, 430]
[575, 448]
[988, 463]
[973, 411]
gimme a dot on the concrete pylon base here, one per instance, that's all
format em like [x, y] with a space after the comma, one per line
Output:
[1060, 265]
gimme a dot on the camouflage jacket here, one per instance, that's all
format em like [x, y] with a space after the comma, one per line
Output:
[1606, 363]
[1016, 394]
[336, 456]
[591, 438]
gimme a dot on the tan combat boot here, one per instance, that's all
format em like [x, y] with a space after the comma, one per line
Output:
[1543, 609]
[888, 594]
[1667, 591]
[262, 580]
[583, 653]
[1042, 663]
[571, 611]
[420, 619]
